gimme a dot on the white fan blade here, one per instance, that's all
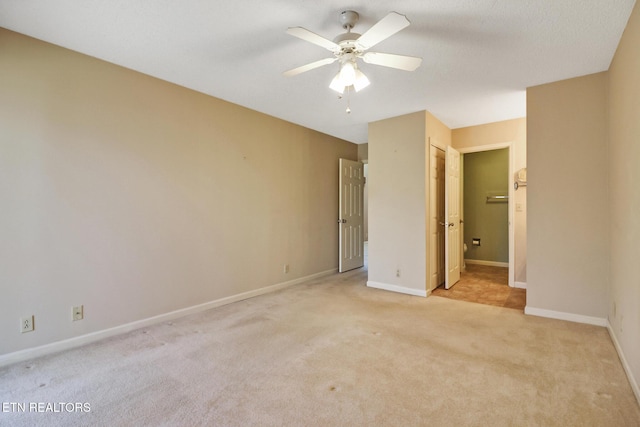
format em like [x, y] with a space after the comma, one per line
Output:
[310, 66]
[386, 27]
[401, 62]
[311, 37]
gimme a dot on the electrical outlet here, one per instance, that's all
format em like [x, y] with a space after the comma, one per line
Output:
[77, 313]
[286, 268]
[398, 273]
[26, 324]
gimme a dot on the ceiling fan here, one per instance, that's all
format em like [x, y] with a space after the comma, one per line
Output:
[348, 47]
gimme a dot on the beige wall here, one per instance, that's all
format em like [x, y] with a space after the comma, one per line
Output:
[136, 197]
[436, 130]
[397, 215]
[363, 152]
[583, 254]
[624, 195]
[514, 132]
[568, 215]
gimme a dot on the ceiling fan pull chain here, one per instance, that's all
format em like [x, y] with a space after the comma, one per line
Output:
[349, 100]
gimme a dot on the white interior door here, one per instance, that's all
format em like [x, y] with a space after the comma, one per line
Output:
[351, 215]
[437, 219]
[452, 215]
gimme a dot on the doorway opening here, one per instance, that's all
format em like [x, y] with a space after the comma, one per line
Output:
[488, 274]
[485, 199]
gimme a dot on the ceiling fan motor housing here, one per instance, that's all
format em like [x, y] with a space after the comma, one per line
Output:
[346, 41]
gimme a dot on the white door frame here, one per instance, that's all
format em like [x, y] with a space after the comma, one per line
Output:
[511, 203]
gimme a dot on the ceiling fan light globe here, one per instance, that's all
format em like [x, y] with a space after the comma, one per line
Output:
[361, 81]
[337, 85]
[347, 73]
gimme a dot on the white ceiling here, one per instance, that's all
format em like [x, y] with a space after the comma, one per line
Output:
[479, 56]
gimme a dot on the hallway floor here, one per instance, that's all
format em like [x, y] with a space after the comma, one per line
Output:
[485, 285]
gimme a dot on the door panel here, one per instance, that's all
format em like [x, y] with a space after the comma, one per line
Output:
[452, 214]
[351, 215]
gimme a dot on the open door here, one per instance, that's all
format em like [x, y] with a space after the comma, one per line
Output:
[351, 215]
[452, 217]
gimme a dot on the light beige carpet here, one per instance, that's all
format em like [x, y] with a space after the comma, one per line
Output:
[333, 352]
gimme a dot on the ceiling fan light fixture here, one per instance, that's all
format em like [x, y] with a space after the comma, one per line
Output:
[349, 76]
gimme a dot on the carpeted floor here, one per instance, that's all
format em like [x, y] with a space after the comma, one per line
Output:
[485, 285]
[333, 352]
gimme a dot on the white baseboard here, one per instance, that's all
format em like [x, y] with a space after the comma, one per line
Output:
[520, 285]
[560, 315]
[489, 263]
[74, 342]
[625, 364]
[396, 288]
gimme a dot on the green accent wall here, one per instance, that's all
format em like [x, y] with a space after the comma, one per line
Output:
[486, 173]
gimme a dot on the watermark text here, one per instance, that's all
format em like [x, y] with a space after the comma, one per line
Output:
[42, 407]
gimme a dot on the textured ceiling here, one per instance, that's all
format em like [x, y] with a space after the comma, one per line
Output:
[479, 56]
